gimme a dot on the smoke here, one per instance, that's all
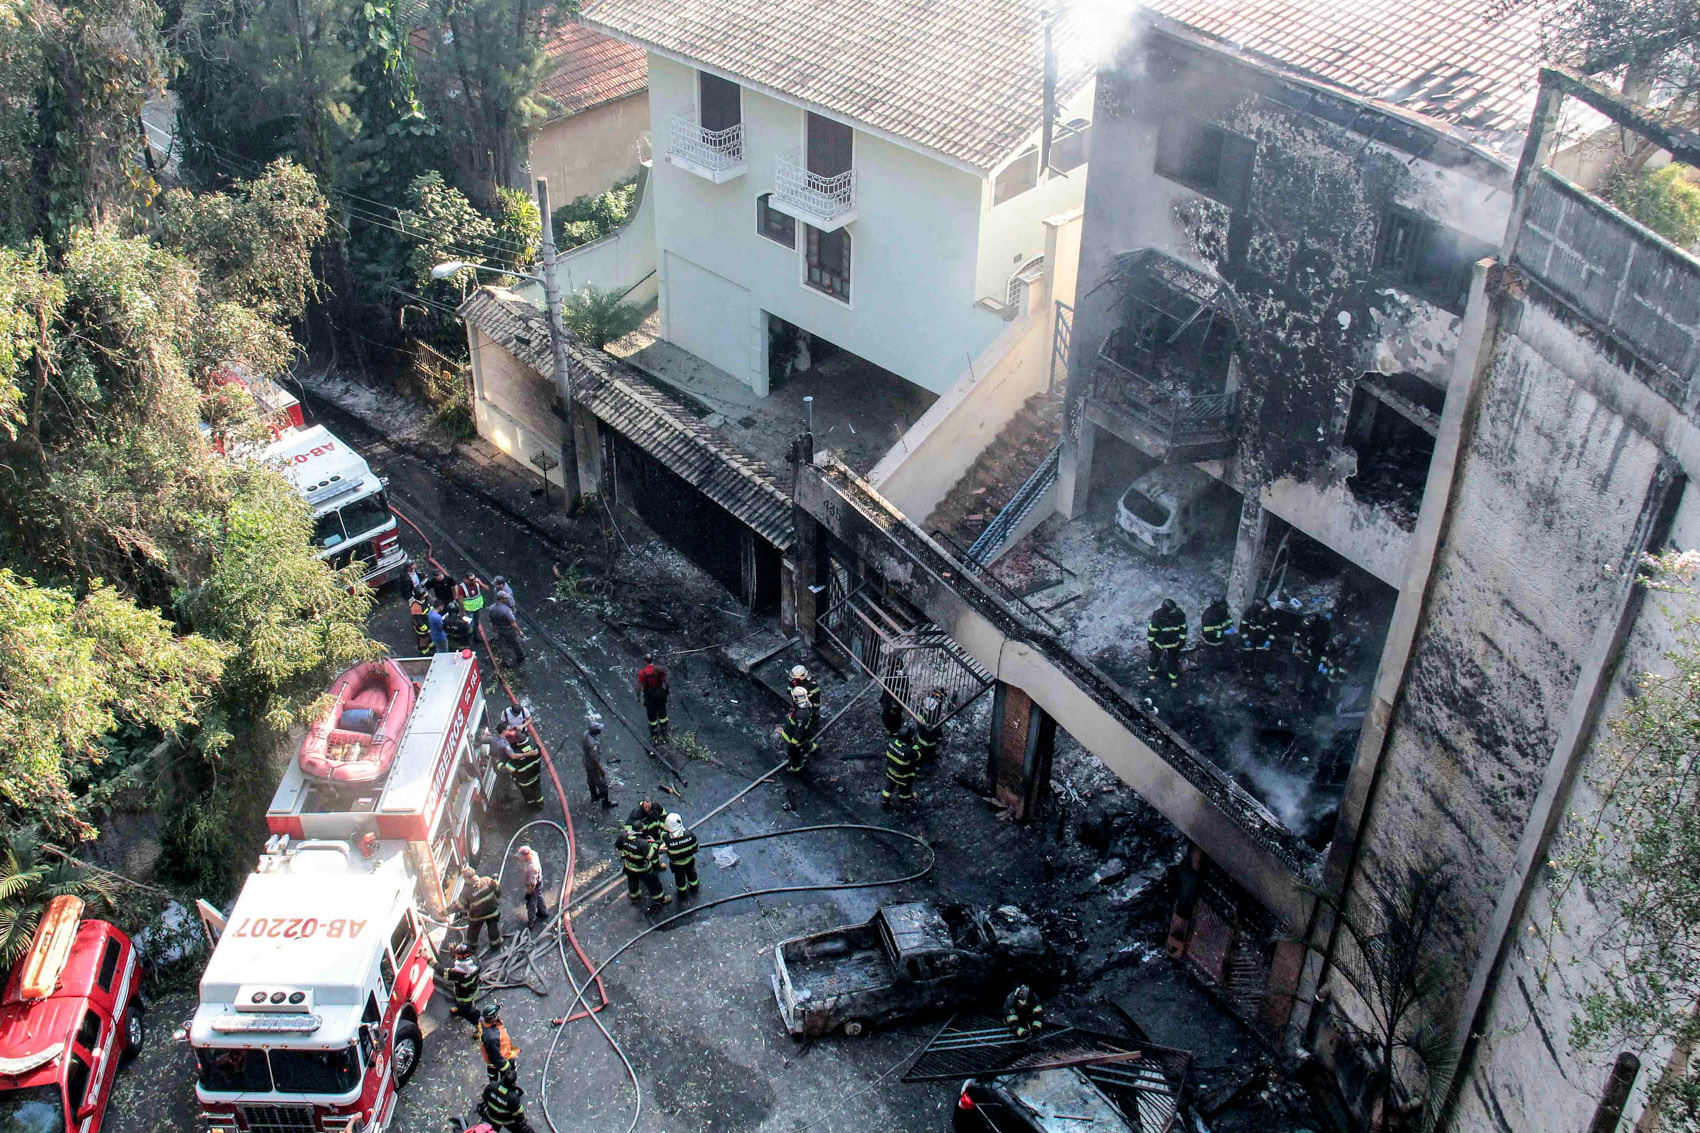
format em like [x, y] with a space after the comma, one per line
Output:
[1109, 28]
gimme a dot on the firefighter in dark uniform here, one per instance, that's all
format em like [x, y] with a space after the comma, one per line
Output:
[417, 608]
[1023, 1013]
[1257, 634]
[503, 1104]
[501, 1056]
[682, 853]
[1308, 645]
[481, 902]
[526, 770]
[648, 819]
[891, 702]
[1285, 626]
[1165, 635]
[641, 859]
[653, 687]
[798, 731]
[800, 678]
[462, 977]
[929, 733]
[901, 763]
[1215, 623]
[1333, 662]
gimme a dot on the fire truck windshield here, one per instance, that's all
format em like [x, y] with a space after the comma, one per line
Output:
[365, 515]
[316, 1071]
[234, 1071]
[38, 1109]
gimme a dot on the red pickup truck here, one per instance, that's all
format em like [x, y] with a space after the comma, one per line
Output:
[72, 1011]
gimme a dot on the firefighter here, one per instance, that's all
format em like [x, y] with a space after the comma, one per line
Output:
[1333, 659]
[501, 1056]
[1308, 644]
[525, 768]
[418, 608]
[653, 688]
[1023, 1013]
[1215, 623]
[463, 976]
[470, 593]
[800, 678]
[641, 859]
[901, 762]
[798, 731]
[481, 902]
[929, 733]
[503, 1104]
[682, 853]
[1256, 634]
[648, 819]
[1165, 635]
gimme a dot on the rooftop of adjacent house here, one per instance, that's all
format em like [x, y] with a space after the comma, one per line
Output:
[961, 78]
[587, 69]
[1468, 64]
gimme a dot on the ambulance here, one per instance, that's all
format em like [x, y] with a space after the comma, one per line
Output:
[310, 1004]
[429, 808]
[351, 512]
[70, 1015]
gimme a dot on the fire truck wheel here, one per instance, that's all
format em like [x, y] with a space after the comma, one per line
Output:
[135, 1033]
[474, 833]
[405, 1051]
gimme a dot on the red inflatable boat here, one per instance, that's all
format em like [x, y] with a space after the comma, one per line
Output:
[356, 739]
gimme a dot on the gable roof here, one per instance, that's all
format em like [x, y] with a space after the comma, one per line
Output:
[621, 398]
[587, 68]
[960, 78]
[1469, 64]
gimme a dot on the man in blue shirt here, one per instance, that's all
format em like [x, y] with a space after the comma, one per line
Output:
[434, 620]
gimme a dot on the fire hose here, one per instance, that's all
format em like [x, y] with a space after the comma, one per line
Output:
[580, 1008]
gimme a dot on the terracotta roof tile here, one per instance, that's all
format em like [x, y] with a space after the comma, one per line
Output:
[588, 69]
[1457, 61]
[963, 78]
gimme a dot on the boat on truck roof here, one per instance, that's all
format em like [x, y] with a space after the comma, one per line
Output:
[429, 802]
[351, 511]
[71, 1013]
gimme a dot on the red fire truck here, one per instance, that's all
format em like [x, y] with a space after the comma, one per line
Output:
[71, 1013]
[351, 512]
[310, 1004]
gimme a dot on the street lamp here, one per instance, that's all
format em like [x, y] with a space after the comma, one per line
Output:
[557, 339]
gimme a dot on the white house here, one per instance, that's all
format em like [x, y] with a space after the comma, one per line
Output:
[872, 174]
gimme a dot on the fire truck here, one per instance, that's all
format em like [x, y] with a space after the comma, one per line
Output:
[351, 512]
[310, 1005]
[71, 1013]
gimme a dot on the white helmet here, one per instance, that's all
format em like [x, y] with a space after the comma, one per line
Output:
[675, 825]
[800, 697]
[798, 672]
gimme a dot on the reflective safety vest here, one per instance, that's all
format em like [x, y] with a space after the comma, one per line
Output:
[503, 1044]
[471, 597]
[682, 848]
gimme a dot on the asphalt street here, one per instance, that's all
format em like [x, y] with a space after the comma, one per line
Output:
[692, 1007]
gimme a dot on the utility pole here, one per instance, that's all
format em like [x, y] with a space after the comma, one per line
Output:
[558, 348]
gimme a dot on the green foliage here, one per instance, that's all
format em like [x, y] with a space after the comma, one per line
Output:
[519, 229]
[1666, 200]
[440, 223]
[1636, 854]
[593, 217]
[1647, 44]
[72, 670]
[29, 879]
[598, 316]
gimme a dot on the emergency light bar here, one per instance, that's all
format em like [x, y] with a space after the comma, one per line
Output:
[266, 1024]
[51, 948]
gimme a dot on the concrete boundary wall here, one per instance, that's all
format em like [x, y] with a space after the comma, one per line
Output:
[625, 258]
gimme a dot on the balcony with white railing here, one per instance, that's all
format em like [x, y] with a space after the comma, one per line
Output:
[714, 155]
[828, 203]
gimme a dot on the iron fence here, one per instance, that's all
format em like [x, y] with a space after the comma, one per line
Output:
[907, 660]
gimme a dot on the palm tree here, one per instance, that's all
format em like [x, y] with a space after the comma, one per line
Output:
[29, 879]
[597, 316]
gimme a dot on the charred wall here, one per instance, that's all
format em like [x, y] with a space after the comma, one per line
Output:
[1297, 219]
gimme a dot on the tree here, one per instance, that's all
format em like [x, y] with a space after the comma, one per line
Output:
[1386, 956]
[29, 879]
[1645, 45]
[71, 671]
[1666, 200]
[598, 315]
[442, 225]
[1636, 853]
[481, 75]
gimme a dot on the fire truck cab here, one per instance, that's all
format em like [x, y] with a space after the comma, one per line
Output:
[310, 1004]
[351, 512]
[70, 1015]
[430, 805]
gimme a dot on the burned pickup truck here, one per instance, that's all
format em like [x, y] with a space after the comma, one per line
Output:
[908, 959]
